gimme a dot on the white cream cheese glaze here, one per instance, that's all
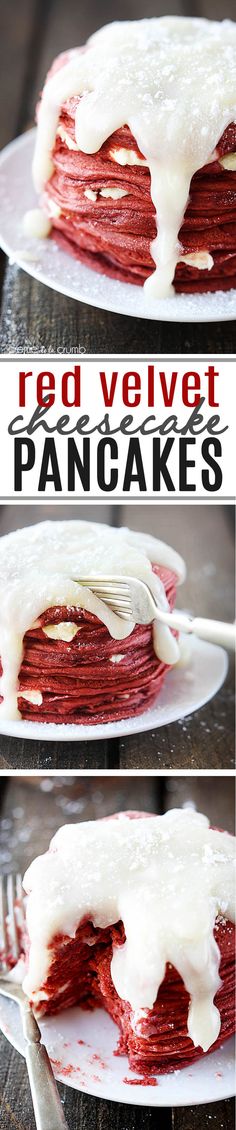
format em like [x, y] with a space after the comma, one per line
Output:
[173, 82]
[38, 569]
[167, 878]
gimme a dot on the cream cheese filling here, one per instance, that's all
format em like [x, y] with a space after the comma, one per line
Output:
[65, 631]
[228, 162]
[127, 157]
[114, 193]
[35, 697]
[200, 259]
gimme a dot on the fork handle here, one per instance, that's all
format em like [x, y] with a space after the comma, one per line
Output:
[215, 631]
[46, 1101]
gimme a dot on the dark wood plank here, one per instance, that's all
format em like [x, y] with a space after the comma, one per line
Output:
[80, 1110]
[213, 1116]
[94, 1113]
[17, 753]
[204, 740]
[22, 31]
[36, 319]
[17, 23]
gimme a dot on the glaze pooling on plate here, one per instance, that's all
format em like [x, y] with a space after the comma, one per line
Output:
[166, 878]
[173, 82]
[38, 570]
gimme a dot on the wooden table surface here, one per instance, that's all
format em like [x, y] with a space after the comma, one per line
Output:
[205, 740]
[35, 318]
[30, 815]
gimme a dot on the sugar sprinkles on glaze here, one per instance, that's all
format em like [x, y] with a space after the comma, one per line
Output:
[38, 570]
[173, 82]
[177, 856]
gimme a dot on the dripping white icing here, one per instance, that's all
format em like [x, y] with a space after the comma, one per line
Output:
[36, 224]
[38, 569]
[167, 878]
[173, 82]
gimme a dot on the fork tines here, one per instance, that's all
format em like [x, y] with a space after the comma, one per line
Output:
[11, 919]
[114, 592]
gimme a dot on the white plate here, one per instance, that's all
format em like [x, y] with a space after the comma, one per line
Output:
[45, 261]
[186, 688]
[92, 1067]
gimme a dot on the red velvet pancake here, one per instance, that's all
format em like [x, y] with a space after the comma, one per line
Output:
[114, 236]
[79, 681]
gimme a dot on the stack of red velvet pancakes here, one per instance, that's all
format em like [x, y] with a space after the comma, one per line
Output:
[135, 154]
[102, 211]
[65, 656]
[92, 678]
[143, 934]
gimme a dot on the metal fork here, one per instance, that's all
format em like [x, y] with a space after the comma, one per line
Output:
[46, 1102]
[132, 599]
